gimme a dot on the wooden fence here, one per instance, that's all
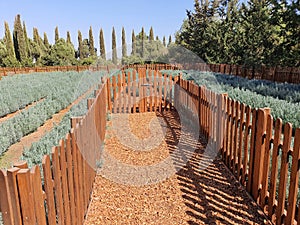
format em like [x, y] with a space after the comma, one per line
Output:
[61, 193]
[140, 91]
[254, 148]
[6, 71]
[275, 74]
[262, 154]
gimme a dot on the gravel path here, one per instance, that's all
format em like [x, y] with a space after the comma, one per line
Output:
[164, 183]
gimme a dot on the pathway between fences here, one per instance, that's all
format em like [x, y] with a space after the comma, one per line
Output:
[200, 191]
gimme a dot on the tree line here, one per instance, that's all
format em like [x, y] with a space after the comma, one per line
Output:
[17, 49]
[256, 32]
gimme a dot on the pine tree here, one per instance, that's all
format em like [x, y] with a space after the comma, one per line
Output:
[257, 38]
[114, 47]
[91, 42]
[102, 45]
[9, 42]
[164, 42]
[151, 35]
[124, 47]
[133, 52]
[68, 38]
[19, 41]
[80, 45]
[56, 34]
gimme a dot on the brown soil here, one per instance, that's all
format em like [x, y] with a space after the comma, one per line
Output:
[202, 191]
[13, 154]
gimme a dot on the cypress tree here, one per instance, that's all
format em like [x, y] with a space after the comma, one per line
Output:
[151, 35]
[28, 49]
[56, 34]
[143, 42]
[164, 41]
[133, 52]
[80, 45]
[124, 47]
[68, 38]
[91, 42]
[46, 41]
[19, 40]
[114, 47]
[170, 40]
[9, 42]
[102, 45]
[36, 35]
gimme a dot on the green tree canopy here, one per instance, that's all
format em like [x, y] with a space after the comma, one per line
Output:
[61, 53]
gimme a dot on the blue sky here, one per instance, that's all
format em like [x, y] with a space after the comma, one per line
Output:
[165, 16]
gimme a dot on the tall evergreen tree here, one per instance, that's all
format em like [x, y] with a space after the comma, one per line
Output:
[114, 47]
[143, 42]
[46, 41]
[80, 45]
[19, 41]
[36, 37]
[56, 34]
[28, 48]
[133, 52]
[124, 47]
[102, 45]
[91, 42]
[164, 42]
[157, 38]
[9, 42]
[68, 38]
[37, 45]
[151, 34]
[258, 33]
[170, 40]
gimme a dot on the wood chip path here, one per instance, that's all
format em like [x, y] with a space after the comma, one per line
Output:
[199, 191]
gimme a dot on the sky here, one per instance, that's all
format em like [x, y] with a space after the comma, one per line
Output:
[165, 16]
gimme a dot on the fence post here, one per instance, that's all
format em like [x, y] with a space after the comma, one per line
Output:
[221, 121]
[75, 121]
[274, 74]
[13, 192]
[26, 196]
[259, 152]
[5, 202]
[90, 102]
